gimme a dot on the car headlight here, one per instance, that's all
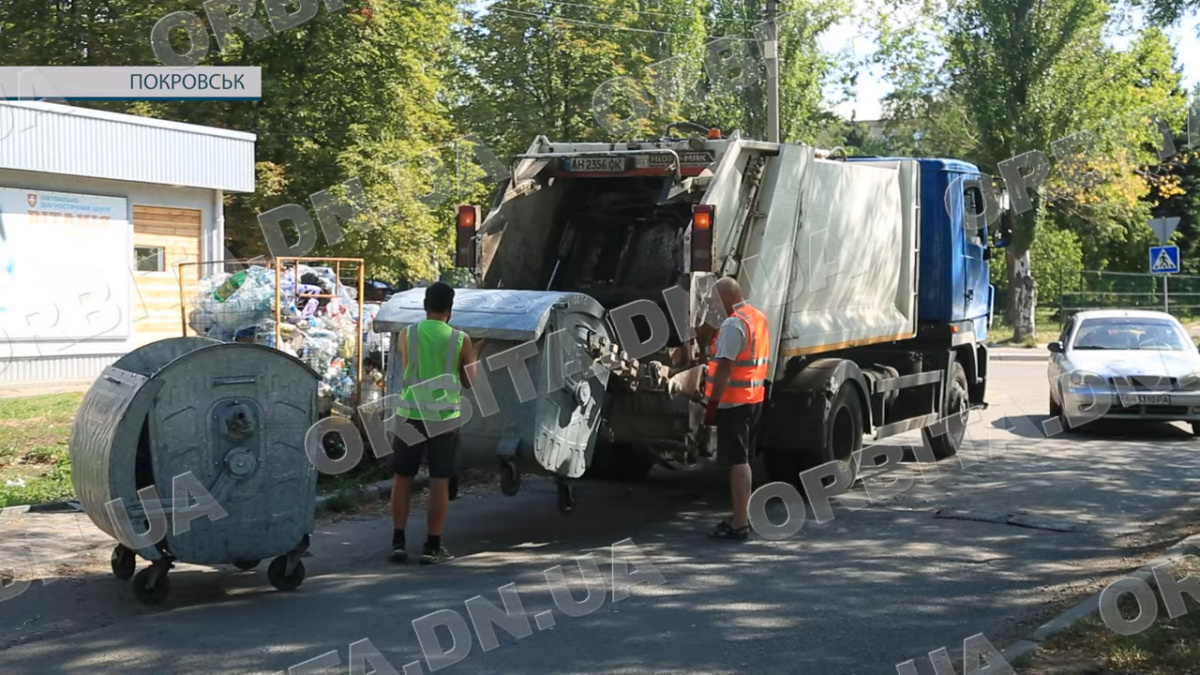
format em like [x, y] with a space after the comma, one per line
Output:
[1189, 382]
[1078, 379]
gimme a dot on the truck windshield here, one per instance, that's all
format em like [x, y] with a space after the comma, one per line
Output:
[1131, 334]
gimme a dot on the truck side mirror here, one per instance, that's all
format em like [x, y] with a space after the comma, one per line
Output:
[1003, 233]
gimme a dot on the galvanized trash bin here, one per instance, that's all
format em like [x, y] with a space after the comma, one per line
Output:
[235, 416]
[552, 432]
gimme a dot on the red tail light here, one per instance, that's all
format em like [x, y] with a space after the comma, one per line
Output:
[702, 241]
[464, 236]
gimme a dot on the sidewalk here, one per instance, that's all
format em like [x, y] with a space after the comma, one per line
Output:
[43, 388]
[1037, 353]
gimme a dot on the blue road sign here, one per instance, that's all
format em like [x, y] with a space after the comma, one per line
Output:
[1164, 260]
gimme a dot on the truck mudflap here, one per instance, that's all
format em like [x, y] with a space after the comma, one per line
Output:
[545, 372]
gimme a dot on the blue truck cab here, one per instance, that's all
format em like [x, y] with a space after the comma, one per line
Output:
[955, 296]
[954, 287]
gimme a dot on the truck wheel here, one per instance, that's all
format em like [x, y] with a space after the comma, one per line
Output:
[843, 429]
[947, 443]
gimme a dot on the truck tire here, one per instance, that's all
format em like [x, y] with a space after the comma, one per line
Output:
[842, 430]
[837, 434]
[954, 414]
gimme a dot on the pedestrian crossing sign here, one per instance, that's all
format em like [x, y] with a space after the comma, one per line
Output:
[1164, 260]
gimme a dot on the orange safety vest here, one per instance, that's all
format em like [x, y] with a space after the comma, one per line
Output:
[748, 378]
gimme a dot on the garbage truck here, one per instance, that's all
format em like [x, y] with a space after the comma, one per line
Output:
[873, 273]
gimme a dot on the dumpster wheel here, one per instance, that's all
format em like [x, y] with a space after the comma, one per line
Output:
[280, 579]
[510, 479]
[151, 585]
[566, 497]
[124, 563]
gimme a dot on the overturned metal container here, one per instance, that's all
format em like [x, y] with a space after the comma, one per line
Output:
[223, 422]
[547, 362]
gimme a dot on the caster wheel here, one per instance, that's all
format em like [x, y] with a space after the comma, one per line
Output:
[246, 565]
[282, 581]
[124, 563]
[147, 594]
[510, 479]
[566, 498]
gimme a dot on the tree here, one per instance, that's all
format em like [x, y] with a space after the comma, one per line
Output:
[1167, 11]
[357, 92]
[1020, 75]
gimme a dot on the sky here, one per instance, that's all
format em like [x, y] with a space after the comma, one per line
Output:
[871, 89]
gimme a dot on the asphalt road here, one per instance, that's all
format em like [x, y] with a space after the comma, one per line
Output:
[991, 543]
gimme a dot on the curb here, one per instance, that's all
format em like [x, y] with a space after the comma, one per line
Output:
[377, 491]
[1015, 355]
[1091, 605]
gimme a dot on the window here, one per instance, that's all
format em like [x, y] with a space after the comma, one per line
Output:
[1066, 332]
[1132, 333]
[148, 258]
[974, 218]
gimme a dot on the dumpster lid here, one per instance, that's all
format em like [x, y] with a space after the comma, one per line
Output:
[489, 313]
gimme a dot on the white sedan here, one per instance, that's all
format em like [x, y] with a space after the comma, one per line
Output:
[1124, 364]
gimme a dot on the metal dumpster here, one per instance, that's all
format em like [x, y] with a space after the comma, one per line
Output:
[227, 418]
[553, 431]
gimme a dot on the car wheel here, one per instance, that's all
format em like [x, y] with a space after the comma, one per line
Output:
[1055, 408]
[1196, 428]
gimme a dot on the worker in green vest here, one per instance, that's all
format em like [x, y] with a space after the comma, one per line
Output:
[438, 362]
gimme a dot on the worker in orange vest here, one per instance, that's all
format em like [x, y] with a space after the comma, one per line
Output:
[734, 391]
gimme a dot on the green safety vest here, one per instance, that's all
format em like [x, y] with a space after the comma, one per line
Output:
[432, 390]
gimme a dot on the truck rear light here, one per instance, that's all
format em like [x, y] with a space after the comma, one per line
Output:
[702, 217]
[464, 236]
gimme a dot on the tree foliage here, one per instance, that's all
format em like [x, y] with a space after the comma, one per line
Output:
[998, 78]
[358, 92]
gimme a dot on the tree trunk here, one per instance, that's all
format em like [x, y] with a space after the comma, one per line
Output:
[1021, 295]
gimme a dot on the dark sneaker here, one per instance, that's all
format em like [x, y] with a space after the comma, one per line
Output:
[433, 557]
[398, 553]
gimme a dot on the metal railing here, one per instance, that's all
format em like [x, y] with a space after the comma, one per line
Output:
[1093, 289]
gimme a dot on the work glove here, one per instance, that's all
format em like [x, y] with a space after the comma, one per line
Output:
[710, 413]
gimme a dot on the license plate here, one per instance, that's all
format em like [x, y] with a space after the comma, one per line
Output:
[595, 164]
[686, 158]
[1145, 399]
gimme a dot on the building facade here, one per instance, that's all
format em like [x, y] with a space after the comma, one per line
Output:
[103, 219]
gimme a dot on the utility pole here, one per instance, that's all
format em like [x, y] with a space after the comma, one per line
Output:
[771, 53]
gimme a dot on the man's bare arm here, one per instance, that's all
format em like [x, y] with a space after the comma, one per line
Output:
[468, 368]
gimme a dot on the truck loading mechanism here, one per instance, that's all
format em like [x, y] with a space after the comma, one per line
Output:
[876, 294]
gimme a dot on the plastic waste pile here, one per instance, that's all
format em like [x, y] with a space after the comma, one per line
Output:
[320, 331]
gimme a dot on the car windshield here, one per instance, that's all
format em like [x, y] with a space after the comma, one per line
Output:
[1131, 334]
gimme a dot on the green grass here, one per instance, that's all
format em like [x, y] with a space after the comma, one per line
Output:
[34, 436]
[1047, 331]
[35, 433]
[1168, 647]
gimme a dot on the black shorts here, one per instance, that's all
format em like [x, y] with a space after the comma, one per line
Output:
[439, 451]
[737, 432]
